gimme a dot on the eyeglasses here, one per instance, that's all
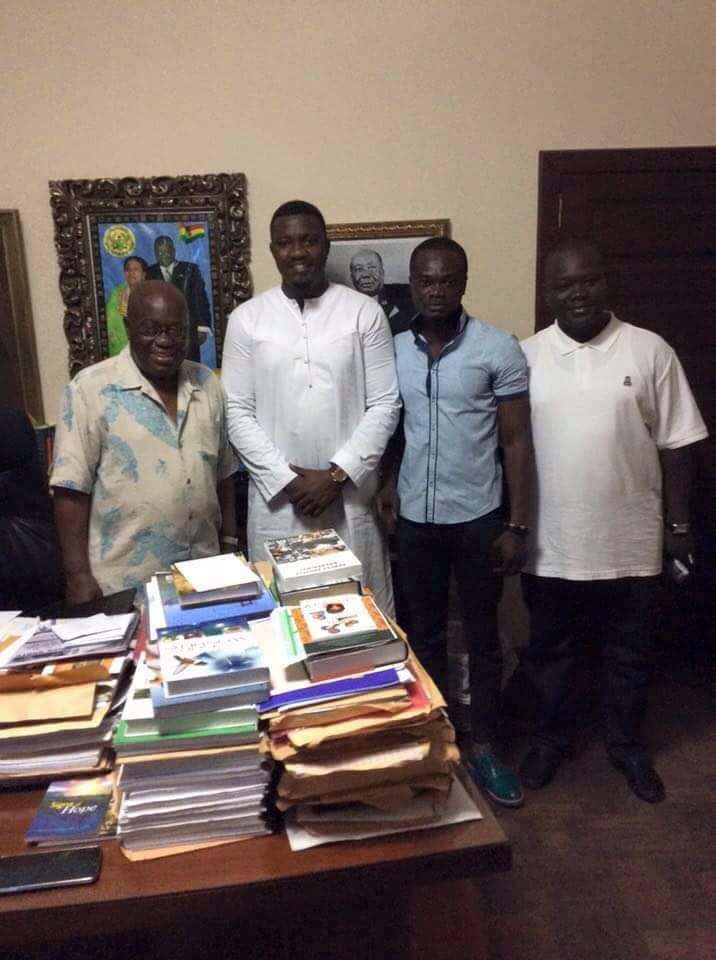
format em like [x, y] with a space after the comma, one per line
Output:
[152, 331]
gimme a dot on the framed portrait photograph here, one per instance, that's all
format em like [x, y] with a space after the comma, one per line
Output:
[110, 235]
[19, 373]
[374, 259]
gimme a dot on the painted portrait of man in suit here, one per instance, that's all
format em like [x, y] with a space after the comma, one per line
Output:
[185, 276]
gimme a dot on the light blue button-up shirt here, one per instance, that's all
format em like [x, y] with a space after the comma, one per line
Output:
[450, 472]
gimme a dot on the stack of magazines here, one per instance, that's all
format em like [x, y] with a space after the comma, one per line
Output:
[62, 685]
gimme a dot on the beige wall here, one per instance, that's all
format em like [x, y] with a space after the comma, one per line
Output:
[373, 110]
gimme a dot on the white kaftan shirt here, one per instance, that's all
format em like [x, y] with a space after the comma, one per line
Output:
[152, 480]
[311, 388]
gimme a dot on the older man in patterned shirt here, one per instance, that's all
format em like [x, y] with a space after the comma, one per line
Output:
[142, 475]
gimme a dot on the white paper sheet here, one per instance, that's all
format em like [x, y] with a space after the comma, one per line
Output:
[214, 573]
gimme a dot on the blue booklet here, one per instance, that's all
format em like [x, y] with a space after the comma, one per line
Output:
[332, 689]
[73, 810]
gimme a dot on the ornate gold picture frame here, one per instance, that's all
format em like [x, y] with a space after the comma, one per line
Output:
[101, 225]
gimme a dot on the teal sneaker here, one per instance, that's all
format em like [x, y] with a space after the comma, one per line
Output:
[500, 784]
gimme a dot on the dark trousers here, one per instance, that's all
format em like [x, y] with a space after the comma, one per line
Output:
[564, 614]
[427, 552]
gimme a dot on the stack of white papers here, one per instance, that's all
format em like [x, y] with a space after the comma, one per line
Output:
[96, 629]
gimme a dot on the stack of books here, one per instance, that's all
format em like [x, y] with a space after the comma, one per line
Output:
[340, 635]
[171, 606]
[225, 578]
[62, 685]
[187, 742]
[370, 751]
[312, 565]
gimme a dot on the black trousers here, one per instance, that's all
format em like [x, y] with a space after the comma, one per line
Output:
[620, 616]
[427, 552]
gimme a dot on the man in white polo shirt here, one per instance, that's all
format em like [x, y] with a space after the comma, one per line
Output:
[613, 419]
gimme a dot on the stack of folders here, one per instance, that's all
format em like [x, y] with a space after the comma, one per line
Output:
[62, 685]
[372, 752]
[312, 565]
[188, 740]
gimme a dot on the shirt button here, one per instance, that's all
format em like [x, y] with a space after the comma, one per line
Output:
[188, 479]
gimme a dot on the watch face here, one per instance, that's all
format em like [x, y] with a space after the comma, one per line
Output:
[339, 474]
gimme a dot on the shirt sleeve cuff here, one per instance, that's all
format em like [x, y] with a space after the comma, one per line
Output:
[352, 464]
[271, 487]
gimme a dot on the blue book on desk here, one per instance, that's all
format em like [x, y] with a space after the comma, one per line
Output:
[332, 690]
[178, 616]
[72, 810]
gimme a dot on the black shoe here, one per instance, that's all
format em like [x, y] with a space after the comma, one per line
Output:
[539, 766]
[642, 778]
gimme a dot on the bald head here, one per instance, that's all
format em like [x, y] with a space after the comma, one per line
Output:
[157, 328]
[165, 294]
[367, 273]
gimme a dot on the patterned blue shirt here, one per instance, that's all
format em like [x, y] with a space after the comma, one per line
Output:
[152, 481]
[450, 472]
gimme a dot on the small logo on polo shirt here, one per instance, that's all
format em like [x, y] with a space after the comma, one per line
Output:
[627, 381]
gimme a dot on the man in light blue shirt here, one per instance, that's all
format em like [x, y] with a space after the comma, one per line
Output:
[465, 395]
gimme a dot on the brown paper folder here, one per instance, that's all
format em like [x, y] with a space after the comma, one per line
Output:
[34, 706]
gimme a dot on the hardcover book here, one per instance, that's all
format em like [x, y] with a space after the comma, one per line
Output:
[177, 616]
[140, 718]
[197, 589]
[190, 703]
[290, 598]
[215, 656]
[74, 810]
[351, 656]
[124, 743]
[341, 622]
[311, 559]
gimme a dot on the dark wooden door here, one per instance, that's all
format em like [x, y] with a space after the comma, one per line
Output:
[653, 215]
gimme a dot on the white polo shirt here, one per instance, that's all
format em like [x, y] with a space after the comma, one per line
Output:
[601, 411]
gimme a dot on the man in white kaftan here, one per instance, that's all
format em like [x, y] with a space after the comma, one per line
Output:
[313, 400]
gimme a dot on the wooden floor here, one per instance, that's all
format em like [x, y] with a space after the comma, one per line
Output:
[600, 875]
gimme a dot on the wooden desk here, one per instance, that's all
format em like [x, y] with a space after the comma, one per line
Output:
[354, 899]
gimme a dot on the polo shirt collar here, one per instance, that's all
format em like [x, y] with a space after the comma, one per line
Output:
[420, 340]
[602, 342]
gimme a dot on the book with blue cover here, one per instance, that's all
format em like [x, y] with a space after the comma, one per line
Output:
[191, 703]
[73, 811]
[214, 656]
[177, 616]
[333, 689]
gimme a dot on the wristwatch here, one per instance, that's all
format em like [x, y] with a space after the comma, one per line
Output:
[337, 474]
[680, 529]
[519, 529]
